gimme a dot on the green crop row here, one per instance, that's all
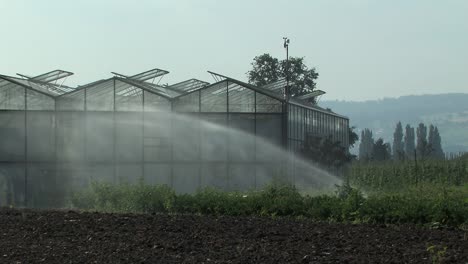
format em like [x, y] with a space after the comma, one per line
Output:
[392, 176]
[444, 206]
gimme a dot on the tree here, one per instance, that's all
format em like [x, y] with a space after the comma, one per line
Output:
[302, 79]
[381, 151]
[266, 69]
[325, 151]
[437, 145]
[366, 145]
[423, 149]
[409, 141]
[398, 147]
[353, 136]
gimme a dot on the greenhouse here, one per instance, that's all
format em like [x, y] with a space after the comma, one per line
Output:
[188, 135]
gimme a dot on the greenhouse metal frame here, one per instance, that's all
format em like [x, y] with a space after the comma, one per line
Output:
[119, 130]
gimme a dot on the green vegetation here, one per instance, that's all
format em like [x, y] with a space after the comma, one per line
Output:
[393, 176]
[433, 206]
[437, 253]
[429, 192]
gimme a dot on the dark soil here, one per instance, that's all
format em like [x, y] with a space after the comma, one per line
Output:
[72, 237]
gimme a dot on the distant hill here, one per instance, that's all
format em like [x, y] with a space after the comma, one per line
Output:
[449, 112]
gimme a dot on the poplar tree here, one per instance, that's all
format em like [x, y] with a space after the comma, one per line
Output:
[409, 141]
[398, 146]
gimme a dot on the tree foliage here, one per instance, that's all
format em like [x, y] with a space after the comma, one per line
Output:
[267, 69]
[398, 146]
[353, 136]
[381, 151]
[325, 151]
[366, 146]
[409, 141]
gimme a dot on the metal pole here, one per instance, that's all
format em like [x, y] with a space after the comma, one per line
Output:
[286, 46]
[26, 147]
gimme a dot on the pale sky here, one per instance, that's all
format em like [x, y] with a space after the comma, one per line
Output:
[362, 49]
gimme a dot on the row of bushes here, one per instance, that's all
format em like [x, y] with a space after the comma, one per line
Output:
[431, 205]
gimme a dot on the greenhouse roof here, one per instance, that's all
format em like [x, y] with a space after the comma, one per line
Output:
[47, 84]
[47, 88]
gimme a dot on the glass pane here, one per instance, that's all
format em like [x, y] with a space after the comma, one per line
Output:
[129, 133]
[100, 136]
[38, 101]
[242, 137]
[241, 99]
[41, 136]
[128, 97]
[187, 103]
[71, 101]
[156, 103]
[100, 97]
[214, 137]
[214, 98]
[12, 135]
[71, 136]
[266, 104]
[11, 96]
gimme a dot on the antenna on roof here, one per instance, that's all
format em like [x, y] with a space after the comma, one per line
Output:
[286, 89]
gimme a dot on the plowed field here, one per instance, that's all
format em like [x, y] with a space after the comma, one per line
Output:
[30, 236]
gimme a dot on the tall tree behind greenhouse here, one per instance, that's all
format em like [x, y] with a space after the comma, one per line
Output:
[381, 150]
[266, 70]
[422, 147]
[398, 146]
[437, 145]
[366, 146]
[409, 141]
[430, 142]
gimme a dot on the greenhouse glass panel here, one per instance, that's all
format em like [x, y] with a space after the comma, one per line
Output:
[214, 98]
[129, 173]
[187, 103]
[268, 128]
[11, 96]
[186, 136]
[74, 101]
[129, 133]
[158, 173]
[155, 103]
[100, 97]
[266, 172]
[128, 97]
[301, 123]
[242, 137]
[241, 99]
[267, 104]
[44, 186]
[41, 135]
[100, 136]
[71, 136]
[38, 101]
[214, 175]
[12, 181]
[186, 178]
[103, 172]
[157, 137]
[12, 133]
[241, 177]
[214, 143]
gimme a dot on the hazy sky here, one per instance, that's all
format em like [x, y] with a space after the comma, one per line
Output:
[361, 49]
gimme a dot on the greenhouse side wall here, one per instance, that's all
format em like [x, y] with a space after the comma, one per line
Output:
[224, 135]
